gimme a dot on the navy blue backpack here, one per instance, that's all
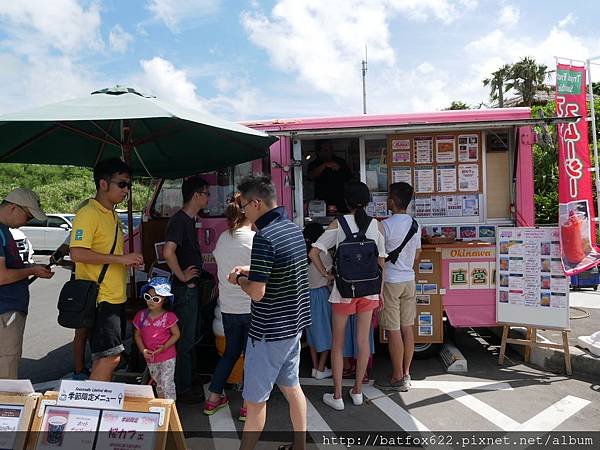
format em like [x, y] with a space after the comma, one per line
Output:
[356, 268]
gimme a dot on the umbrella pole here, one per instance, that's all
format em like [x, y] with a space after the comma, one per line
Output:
[126, 139]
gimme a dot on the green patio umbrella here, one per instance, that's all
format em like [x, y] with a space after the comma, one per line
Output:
[158, 139]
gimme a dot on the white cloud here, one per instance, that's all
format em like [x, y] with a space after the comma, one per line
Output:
[178, 13]
[119, 39]
[64, 25]
[509, 16]
[161, 78]
[569, 19]
[323, 43]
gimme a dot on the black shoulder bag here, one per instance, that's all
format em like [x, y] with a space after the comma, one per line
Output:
[393, 255]
[78, 298]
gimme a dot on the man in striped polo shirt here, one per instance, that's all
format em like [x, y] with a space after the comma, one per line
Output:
[277, 283]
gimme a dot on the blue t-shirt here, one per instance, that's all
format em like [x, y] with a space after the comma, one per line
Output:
[279, 260]
[14, 296]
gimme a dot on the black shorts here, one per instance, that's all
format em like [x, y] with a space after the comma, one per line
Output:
[106, 337]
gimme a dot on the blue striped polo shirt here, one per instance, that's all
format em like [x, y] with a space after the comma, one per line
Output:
[279, 260]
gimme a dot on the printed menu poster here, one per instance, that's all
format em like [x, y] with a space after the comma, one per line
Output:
[137, 427]
[527, 275]
[423, 150]
[401, 144]
[401, 156]
[454, 205]
[424, 180]
[468, 177]
[438, 206]
[59, 423]
[10, 417]
[468, 148]
[402, 174]
[422, 206]
[470, 205]
[444, 149]
[446, 178]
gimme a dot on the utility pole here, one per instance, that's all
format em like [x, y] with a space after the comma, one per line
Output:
[364, 81]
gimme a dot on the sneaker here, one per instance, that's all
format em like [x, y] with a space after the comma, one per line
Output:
[212, 407]
[243, 414]
[389, 385]
[405, 383]
[322, 375]
[335, 403]
[357, 399]
[314, 373]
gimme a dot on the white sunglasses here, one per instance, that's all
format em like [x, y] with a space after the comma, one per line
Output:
[152, 298]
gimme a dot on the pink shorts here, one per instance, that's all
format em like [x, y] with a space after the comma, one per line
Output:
[357, 305]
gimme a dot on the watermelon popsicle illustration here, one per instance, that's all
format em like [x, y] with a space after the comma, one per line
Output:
[573, 246]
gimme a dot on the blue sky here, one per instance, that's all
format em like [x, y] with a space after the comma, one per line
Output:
[282, 58]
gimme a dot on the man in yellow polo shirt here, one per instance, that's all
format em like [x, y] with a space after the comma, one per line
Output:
[92, 238]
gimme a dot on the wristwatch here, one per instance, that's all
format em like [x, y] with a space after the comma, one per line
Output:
[237, 278]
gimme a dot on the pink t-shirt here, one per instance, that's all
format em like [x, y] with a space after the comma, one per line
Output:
[156, 332]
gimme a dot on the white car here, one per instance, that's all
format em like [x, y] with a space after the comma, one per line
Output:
[23, 245]
[48, 235]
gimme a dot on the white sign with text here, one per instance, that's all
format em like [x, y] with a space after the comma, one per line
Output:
[91, 394]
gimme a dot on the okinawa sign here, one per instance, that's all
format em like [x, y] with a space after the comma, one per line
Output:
[576, 208]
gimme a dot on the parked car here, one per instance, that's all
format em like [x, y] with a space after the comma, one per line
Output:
[588, 279]
[23, 245]
[48, 235]
[137, 218]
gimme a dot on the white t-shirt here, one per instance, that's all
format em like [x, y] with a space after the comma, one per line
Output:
[332, 238]
[396, 228]
[315, 279]
[233, 250]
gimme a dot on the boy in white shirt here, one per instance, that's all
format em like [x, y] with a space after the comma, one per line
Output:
[399, 310]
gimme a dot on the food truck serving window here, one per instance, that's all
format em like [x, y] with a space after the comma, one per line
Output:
[223, 183]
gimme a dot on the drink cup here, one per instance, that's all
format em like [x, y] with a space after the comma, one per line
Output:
[56, 429]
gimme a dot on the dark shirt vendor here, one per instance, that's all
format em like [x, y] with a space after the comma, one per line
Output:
[329, 173]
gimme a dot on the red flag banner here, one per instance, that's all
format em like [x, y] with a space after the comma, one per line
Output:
[576, 208]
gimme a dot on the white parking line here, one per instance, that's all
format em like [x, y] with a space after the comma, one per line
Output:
[555, 414]
[393, 410]
[222, 421]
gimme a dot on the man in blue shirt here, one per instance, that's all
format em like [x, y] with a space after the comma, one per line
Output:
[18, 208]
[277, 283]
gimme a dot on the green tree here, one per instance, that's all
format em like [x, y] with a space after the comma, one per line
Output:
[527, 78]
[456, 105]
[496, 83]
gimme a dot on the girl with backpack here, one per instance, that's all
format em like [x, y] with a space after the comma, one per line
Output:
[318, 335]
[358, 268]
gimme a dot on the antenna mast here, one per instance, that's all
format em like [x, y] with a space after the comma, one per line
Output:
[364, 81]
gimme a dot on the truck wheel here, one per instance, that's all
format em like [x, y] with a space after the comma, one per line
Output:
[427, 350]
[596, 287]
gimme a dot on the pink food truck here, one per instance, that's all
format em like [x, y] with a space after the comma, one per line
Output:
[471, 171]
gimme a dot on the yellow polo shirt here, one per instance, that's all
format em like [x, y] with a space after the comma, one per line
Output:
[94, 228]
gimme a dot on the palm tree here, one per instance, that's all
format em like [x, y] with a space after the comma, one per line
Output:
[528, 78]
[496, 83]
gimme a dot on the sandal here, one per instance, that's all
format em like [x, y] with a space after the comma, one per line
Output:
[286, 447]
[212, 407]
[349, 372]
[243, 414]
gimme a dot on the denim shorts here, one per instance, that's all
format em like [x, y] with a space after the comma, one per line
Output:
[268, 363]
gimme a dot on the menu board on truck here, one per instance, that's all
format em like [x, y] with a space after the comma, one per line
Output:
[532, 288]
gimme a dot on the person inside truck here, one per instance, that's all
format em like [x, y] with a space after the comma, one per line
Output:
[183, 256]
[329, 173]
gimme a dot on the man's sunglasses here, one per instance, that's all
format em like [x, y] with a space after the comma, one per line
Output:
[152, 298]
[122, 184]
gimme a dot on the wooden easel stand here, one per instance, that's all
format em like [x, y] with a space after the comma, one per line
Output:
[532, 341]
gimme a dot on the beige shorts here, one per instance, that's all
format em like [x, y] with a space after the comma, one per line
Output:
[12, 326]
[399, 305]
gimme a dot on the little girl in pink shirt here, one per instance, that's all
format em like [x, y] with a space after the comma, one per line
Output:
[156, 333]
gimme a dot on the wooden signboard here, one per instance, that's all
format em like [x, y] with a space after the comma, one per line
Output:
[142, 424]
[428, 326]
[16, 415]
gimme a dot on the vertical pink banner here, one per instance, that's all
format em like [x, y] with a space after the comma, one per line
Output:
[576, 208]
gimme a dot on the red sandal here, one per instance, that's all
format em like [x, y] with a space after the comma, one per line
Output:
[243, 414]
